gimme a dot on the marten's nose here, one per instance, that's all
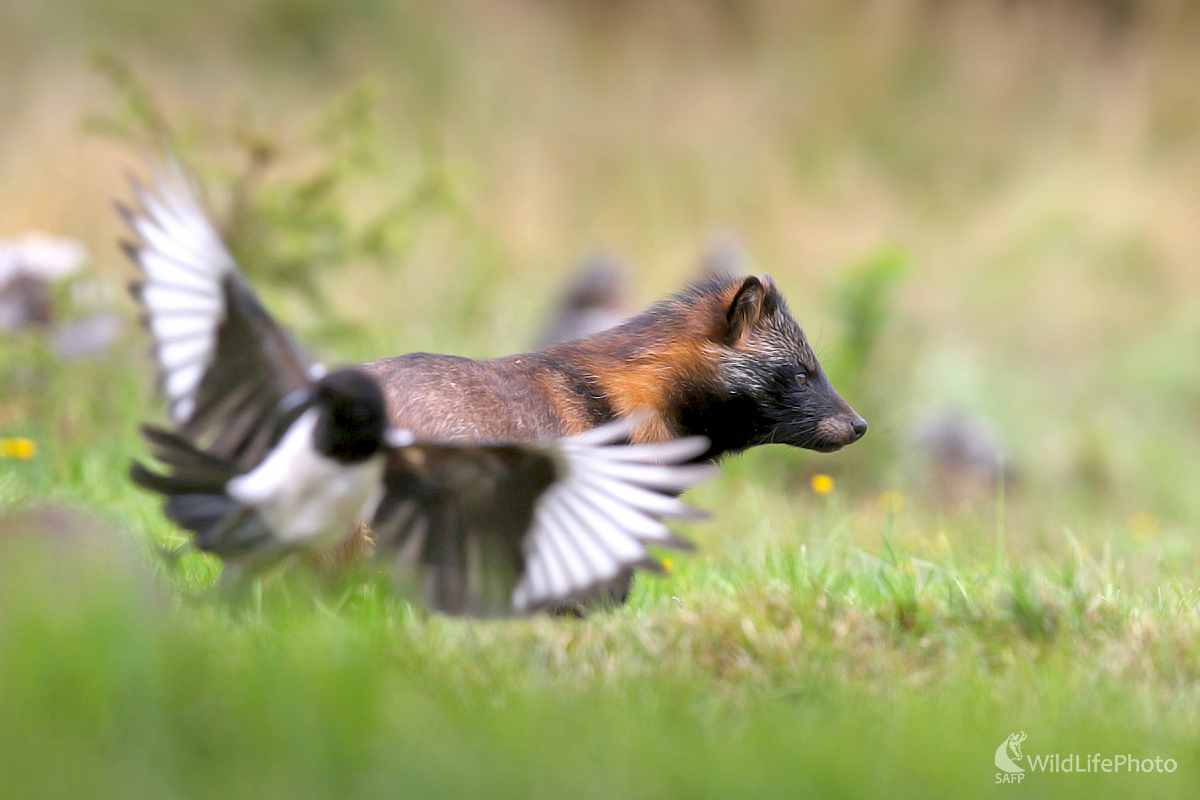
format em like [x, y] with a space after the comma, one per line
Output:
[859, 426]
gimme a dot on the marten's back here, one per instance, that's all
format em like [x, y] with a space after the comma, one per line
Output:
[453, 399]
[723, 359]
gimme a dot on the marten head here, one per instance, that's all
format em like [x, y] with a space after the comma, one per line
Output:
[769, 386]
[723, 359]
[728, 361]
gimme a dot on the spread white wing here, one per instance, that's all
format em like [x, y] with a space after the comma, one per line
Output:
[605, 508]
[512, 529]
[224, 364]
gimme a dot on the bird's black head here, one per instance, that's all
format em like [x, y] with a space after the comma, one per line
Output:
[353, 415]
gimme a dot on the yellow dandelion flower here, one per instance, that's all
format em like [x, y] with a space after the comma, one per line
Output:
[1144, 527]
[666, 562]
[18, 448]
[891, 502]
[822, 484]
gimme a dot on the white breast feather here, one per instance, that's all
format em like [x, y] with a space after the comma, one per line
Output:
[305, 498]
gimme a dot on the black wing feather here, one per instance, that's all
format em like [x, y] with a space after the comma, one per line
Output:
[258, 365]
[513, 529]
[195, 498]
[224, 364]
[460, 516]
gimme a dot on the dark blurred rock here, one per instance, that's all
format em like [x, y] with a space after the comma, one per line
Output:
[70, 567]
[28, 265]
[595, 300]
[68, 539]
[726, 255]
[960, 455]
[25, 303]
[597, 296]
[87, 337]
[58, 526]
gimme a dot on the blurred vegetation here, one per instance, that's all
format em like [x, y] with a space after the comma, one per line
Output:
[865, 302]
[292, 233]
[983, 210]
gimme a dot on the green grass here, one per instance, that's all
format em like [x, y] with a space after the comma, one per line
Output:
[980, 206]
[783, 659]
[825, 671]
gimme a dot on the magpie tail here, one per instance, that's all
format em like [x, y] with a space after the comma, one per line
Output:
[194, 490]
[193, 471]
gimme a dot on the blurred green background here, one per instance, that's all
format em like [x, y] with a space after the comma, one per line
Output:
[985, 214]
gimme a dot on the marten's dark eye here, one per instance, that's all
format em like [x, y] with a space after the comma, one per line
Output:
[801, 378]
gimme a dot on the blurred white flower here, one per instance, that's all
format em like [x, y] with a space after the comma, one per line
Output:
[28, 265]
[41, 256]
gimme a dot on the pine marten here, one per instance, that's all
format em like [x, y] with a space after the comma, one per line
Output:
[723, 359]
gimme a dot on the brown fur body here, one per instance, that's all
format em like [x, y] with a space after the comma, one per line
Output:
[720, 359]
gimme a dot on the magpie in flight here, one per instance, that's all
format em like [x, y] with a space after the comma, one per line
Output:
[272, 454]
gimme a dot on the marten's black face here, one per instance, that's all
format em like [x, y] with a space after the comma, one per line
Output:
[777, 392]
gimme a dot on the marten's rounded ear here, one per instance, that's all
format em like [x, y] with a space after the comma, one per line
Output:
[750, 304]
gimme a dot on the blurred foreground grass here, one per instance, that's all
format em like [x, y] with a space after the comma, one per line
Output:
[828, 672]
[783, 659]
[988, 207]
